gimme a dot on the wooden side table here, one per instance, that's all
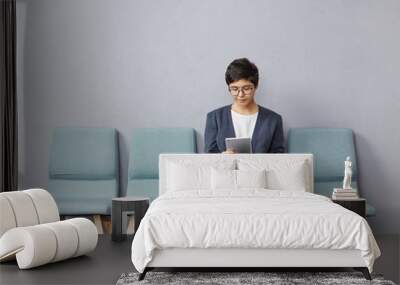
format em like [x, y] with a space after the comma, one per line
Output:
[121, 208]
[356, 205]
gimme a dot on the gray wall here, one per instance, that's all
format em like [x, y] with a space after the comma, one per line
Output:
[128, 64]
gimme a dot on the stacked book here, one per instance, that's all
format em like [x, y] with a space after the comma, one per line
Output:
[344, 194]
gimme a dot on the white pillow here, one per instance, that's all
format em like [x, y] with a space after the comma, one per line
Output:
[223, 179]
[184, 175]
[237, 179]
[251, 178]
[281, 174]
[292, 178]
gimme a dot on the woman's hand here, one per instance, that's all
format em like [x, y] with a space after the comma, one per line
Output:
[229, 151]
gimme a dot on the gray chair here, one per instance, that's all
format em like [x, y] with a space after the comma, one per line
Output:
[146, 145]
[330, 147]
[84, 170]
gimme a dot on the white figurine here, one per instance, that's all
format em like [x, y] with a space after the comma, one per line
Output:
[347, 174]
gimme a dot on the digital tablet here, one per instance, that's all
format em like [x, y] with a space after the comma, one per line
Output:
[239, 145]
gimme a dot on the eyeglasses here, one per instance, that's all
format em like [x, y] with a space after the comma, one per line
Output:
[235, 91]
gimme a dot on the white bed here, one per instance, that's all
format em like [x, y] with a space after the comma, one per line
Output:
[201, 220]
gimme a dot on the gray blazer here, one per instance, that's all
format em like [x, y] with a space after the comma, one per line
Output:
[267, 135]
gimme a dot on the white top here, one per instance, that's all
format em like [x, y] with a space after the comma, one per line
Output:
[244, 124]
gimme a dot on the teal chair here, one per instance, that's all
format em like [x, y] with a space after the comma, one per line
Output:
[84, 170]
[146, 146]
[330, 147]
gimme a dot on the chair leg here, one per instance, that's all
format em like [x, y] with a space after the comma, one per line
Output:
[364, 271]
[143, 274]
[106, 224]
[97, 222]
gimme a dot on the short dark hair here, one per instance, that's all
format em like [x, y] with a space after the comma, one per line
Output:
[242, 68]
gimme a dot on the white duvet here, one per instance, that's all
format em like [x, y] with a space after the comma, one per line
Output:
[250, 218]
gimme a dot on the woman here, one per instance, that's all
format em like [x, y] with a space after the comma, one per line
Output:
[244, 118]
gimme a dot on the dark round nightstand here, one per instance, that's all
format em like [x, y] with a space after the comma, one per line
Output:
[121, 208]
[356, 205]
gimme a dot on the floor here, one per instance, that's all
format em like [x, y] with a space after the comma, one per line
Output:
[110, 260]
[389, 262]
[103, 266]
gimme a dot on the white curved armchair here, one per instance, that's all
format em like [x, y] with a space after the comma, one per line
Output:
[31, 230]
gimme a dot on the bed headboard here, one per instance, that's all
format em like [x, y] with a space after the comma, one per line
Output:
[164, 158]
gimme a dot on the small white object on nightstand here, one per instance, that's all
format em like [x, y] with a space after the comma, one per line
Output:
[347, 173]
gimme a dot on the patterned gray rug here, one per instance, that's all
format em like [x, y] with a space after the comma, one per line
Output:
[228, 278]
